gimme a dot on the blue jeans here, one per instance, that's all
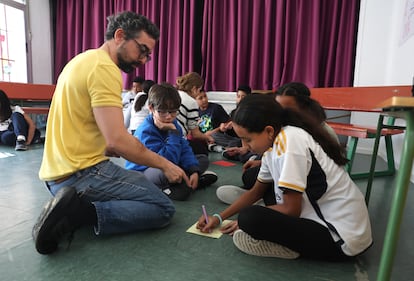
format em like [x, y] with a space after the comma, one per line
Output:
[17, 127]
[125, 201]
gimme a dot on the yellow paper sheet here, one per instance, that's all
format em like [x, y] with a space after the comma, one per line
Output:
[214, 234]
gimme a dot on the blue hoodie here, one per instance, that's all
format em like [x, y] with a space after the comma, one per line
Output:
[170, 145]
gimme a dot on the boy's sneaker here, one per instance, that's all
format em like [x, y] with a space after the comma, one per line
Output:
[20, 145]
[247, 244]
[39, 140]
[179, 192]
[226, 155]
[207, 178]
[53, 223]
[215, 147]
[229, 193]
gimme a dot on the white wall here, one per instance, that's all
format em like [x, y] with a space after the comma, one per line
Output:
[40, 40]
[381, 59]
[226, 99]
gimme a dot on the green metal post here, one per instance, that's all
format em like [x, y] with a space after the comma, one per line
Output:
[398, 201]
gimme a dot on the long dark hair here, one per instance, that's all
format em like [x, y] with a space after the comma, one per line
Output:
[146, 86]
[301, 93]
[255, 112]
[5, 106]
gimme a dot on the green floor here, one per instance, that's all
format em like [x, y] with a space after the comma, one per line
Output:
[171, 253]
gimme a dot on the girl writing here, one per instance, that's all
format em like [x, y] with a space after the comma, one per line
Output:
[315, 210]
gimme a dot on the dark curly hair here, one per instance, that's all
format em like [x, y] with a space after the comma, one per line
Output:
[132, 24]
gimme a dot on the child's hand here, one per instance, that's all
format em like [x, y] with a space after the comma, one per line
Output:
[228, 126]
[222, 127]
[210, 139]
[232, 151]
[163, 126]
[243, 150]
[230, 228]
[251, 164]
[213, 222]
[194, 180]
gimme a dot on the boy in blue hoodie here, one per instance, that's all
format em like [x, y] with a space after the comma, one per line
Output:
[161, 133]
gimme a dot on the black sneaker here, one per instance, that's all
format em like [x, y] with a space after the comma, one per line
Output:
[179, 192]
[39, 140]
[207, 178]
[226, 155]
[53, 222]
[20, 145]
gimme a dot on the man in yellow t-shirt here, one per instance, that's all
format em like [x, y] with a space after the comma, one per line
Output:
[85, 127]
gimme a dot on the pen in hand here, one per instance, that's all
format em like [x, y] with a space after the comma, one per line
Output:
[204, 213]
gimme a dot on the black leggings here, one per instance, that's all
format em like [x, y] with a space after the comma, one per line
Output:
[305, 236]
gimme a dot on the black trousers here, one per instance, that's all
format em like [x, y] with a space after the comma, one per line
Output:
[307, 237]
[249, 177]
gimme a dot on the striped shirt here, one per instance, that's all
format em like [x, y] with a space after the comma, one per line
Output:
[188, 113]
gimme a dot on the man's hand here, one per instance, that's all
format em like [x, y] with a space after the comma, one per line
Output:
[175, 174]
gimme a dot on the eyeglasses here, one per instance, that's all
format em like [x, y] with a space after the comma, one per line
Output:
[164, 113]
[144, 52]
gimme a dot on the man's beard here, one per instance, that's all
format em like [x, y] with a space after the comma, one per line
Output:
[125, 66]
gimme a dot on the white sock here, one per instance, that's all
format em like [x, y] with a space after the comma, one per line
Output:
[21, 138]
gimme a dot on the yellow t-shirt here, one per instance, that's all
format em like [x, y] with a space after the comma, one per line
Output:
[73, 139]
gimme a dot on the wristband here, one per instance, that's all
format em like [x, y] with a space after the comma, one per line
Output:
[219, 218]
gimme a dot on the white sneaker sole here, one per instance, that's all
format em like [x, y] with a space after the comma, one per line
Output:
[229, 193]
[247, 244]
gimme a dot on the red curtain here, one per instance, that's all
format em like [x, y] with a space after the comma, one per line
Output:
[80, 25]
[267, 43]
[263, 43]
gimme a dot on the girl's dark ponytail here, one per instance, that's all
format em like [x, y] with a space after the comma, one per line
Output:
[139, 103]
[146, 86]
[255, 112]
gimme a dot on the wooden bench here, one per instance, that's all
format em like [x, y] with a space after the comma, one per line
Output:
[363, 99]
[34, 98]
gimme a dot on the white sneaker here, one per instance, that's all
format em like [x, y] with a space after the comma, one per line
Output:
[229, 193]
[247, 244]
[215, 147]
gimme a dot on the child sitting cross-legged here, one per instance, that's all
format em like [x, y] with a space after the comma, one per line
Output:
[212, 115]
[161, 133]
[312, 209]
